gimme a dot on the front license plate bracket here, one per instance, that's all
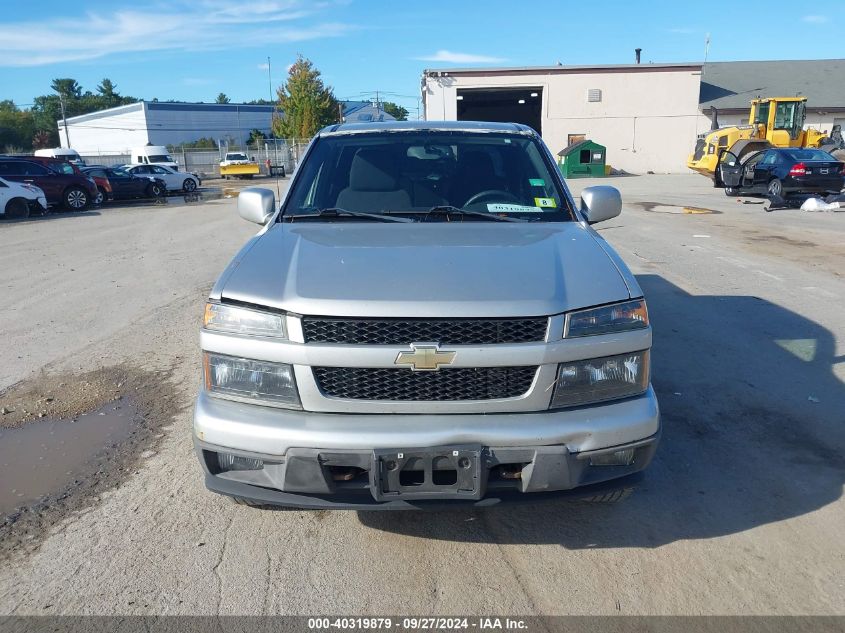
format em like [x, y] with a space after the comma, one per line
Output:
[449, 472]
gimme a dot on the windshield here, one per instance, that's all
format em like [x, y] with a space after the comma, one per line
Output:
[235, 156]
[412, 172]
[160, 158]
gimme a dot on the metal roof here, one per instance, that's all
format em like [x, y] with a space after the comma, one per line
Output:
[561, 68]
[410, 126]
[732, 85]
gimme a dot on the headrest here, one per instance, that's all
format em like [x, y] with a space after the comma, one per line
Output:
[372, 170]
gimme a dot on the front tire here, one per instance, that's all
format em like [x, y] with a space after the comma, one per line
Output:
[775, 188]
[76, 199]
[101, 196]
[731, 191]
[17, 209]
[190, 185]
[155, 190]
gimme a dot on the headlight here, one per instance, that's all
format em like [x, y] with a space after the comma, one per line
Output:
[600, 379]
[619, 317]
[237, 320]
[242, 378]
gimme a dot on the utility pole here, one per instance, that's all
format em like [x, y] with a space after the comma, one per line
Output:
[340, 112]
[270, 79]
[64, 118]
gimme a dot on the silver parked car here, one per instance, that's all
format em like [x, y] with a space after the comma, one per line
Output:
[428, 319]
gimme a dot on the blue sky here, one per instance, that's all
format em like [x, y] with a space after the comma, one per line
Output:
[193, 49]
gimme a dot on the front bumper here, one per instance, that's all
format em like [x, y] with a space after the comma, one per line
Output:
[329, 460]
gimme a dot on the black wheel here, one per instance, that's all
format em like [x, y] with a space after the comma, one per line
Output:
[76, 199]
[101, 196]
[155, 190]
[775, 188]
[283, 171]
[189, 185]
[17, 208]
[731, 191]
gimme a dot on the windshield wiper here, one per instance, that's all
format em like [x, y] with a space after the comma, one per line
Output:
[337, 212]
[447, 209]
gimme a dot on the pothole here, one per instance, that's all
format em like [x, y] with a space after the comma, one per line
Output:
[65, 439]
[656, 207]
[39, 459]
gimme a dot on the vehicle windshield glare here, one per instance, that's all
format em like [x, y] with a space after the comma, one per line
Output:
[411, 173]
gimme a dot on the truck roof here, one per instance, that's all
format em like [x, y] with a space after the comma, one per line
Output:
[410, 126]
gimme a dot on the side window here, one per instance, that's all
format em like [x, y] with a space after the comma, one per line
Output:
[8, 168]
[99, 173]
[140, 170]
[770, 158]
[158, 170]
[32, 169]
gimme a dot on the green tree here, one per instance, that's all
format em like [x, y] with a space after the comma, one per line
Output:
[16, 127]
[67, 88]
[256, 135]
[222, 98]
[396, 111]
[306, 104]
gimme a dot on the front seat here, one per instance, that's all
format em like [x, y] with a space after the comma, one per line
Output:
[373, 184]
[475, 173]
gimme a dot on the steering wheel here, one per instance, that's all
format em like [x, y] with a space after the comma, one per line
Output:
[490, 192]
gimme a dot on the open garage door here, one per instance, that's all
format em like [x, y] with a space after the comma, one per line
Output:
[506, 105]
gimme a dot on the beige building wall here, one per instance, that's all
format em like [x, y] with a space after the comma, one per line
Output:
[647, 118]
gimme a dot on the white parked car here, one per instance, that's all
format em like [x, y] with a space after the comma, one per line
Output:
[19, 200]
[174, 180]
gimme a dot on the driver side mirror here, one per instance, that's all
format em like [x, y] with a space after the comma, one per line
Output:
[256, 204]
[600, 203]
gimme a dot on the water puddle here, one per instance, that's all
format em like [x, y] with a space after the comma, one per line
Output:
[656, 207]
[44, 456]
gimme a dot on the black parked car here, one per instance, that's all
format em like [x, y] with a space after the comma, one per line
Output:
[117, 184]
[780, 171]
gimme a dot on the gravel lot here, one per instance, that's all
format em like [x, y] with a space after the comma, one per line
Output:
[741, 512]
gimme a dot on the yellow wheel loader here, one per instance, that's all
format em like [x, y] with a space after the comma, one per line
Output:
[772, 122]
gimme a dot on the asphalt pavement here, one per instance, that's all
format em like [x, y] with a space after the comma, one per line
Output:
[740, 513]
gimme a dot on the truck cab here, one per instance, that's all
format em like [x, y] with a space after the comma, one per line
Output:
[153, 155]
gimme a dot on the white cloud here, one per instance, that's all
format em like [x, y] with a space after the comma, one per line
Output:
[185, 26]
[815, 19]
[460, 58]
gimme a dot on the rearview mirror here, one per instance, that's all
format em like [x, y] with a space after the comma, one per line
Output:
[256, 204]
[600, 203]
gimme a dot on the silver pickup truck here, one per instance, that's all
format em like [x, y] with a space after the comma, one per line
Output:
[427, 319]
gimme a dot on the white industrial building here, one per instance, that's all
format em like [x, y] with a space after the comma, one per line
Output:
[117, 130]
[647, 115]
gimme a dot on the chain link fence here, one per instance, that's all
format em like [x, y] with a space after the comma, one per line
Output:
[282, 154]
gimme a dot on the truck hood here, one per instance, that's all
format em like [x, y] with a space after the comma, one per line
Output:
[426, 270]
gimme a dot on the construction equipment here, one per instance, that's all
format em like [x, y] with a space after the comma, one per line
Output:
[237, 165]
[772, 122]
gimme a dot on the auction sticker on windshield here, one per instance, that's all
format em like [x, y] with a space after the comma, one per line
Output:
[502, 207]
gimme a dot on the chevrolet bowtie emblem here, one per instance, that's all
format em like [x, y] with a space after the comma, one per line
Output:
[425, 357]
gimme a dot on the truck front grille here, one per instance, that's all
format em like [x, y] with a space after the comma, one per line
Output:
[404, 385]
[362, 331]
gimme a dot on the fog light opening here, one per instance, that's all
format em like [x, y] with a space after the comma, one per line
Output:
[624, 457]
[228, 461]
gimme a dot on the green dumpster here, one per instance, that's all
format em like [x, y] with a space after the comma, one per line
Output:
[582, 159]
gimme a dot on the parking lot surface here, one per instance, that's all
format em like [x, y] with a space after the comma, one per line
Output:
[741, 512]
